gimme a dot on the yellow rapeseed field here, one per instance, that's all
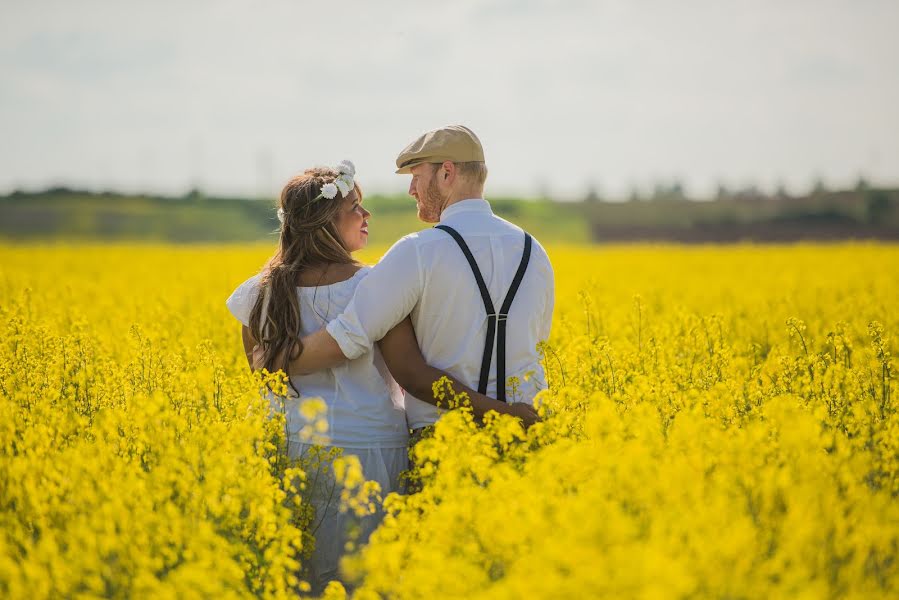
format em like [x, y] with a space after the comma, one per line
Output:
[720, 422]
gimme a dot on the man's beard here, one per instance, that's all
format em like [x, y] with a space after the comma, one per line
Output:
[430, 207]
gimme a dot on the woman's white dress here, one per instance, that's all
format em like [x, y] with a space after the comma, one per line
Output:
[365, 416]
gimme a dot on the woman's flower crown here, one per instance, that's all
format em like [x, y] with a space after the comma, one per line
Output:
[343, 183]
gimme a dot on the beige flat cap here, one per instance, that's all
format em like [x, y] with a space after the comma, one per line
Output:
[455, 143]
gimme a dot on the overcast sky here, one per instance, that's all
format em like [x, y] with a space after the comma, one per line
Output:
[236, 96]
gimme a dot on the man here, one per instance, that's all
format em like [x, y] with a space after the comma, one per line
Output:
[427, 275]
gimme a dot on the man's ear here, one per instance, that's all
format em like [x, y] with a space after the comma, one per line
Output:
[449, 170]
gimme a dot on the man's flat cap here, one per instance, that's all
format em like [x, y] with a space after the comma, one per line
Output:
[455, 143]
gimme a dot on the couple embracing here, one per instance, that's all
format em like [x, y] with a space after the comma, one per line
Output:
[468, 299]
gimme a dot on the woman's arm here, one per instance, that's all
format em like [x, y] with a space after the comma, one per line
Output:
[249, 344]
[403, 357]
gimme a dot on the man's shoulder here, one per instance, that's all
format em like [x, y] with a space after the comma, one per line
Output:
[413, 241]
[537, 249]
[403, 252]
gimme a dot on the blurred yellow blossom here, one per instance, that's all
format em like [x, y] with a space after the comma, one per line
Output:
[718, 422]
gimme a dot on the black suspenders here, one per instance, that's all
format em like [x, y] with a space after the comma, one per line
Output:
[496, 322]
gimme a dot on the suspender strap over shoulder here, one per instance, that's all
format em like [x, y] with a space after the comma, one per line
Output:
[496, 322]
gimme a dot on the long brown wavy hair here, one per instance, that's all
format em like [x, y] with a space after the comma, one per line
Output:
[309, 237]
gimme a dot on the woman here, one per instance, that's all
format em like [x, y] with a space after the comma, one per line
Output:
[310, 280]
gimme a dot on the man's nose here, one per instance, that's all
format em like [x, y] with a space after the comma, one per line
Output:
[411, 189]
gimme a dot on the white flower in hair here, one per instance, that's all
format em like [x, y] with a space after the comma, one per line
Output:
[281, 215]
[344, 184]
[346, 167]
[329, 191]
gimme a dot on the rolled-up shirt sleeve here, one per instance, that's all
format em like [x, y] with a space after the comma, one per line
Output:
[383, 298]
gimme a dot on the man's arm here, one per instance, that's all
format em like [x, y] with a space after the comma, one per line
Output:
[382, 299]
[320, 351]
[546, 324]
[407, 365]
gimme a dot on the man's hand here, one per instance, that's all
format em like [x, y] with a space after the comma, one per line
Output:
[525, 412]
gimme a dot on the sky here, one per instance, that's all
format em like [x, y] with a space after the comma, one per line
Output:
[235, 97]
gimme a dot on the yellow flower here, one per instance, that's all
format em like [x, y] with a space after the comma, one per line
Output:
[713, 427]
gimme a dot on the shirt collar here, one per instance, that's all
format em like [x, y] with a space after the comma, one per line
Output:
[468, 205]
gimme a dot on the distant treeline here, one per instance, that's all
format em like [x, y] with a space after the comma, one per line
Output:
[71, 215]
[861, 213]
[62, 214]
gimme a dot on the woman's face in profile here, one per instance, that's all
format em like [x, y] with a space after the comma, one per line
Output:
[352, 222]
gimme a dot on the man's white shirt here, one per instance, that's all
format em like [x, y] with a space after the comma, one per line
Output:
[426, 275]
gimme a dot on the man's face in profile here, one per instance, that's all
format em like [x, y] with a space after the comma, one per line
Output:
[424, 188]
